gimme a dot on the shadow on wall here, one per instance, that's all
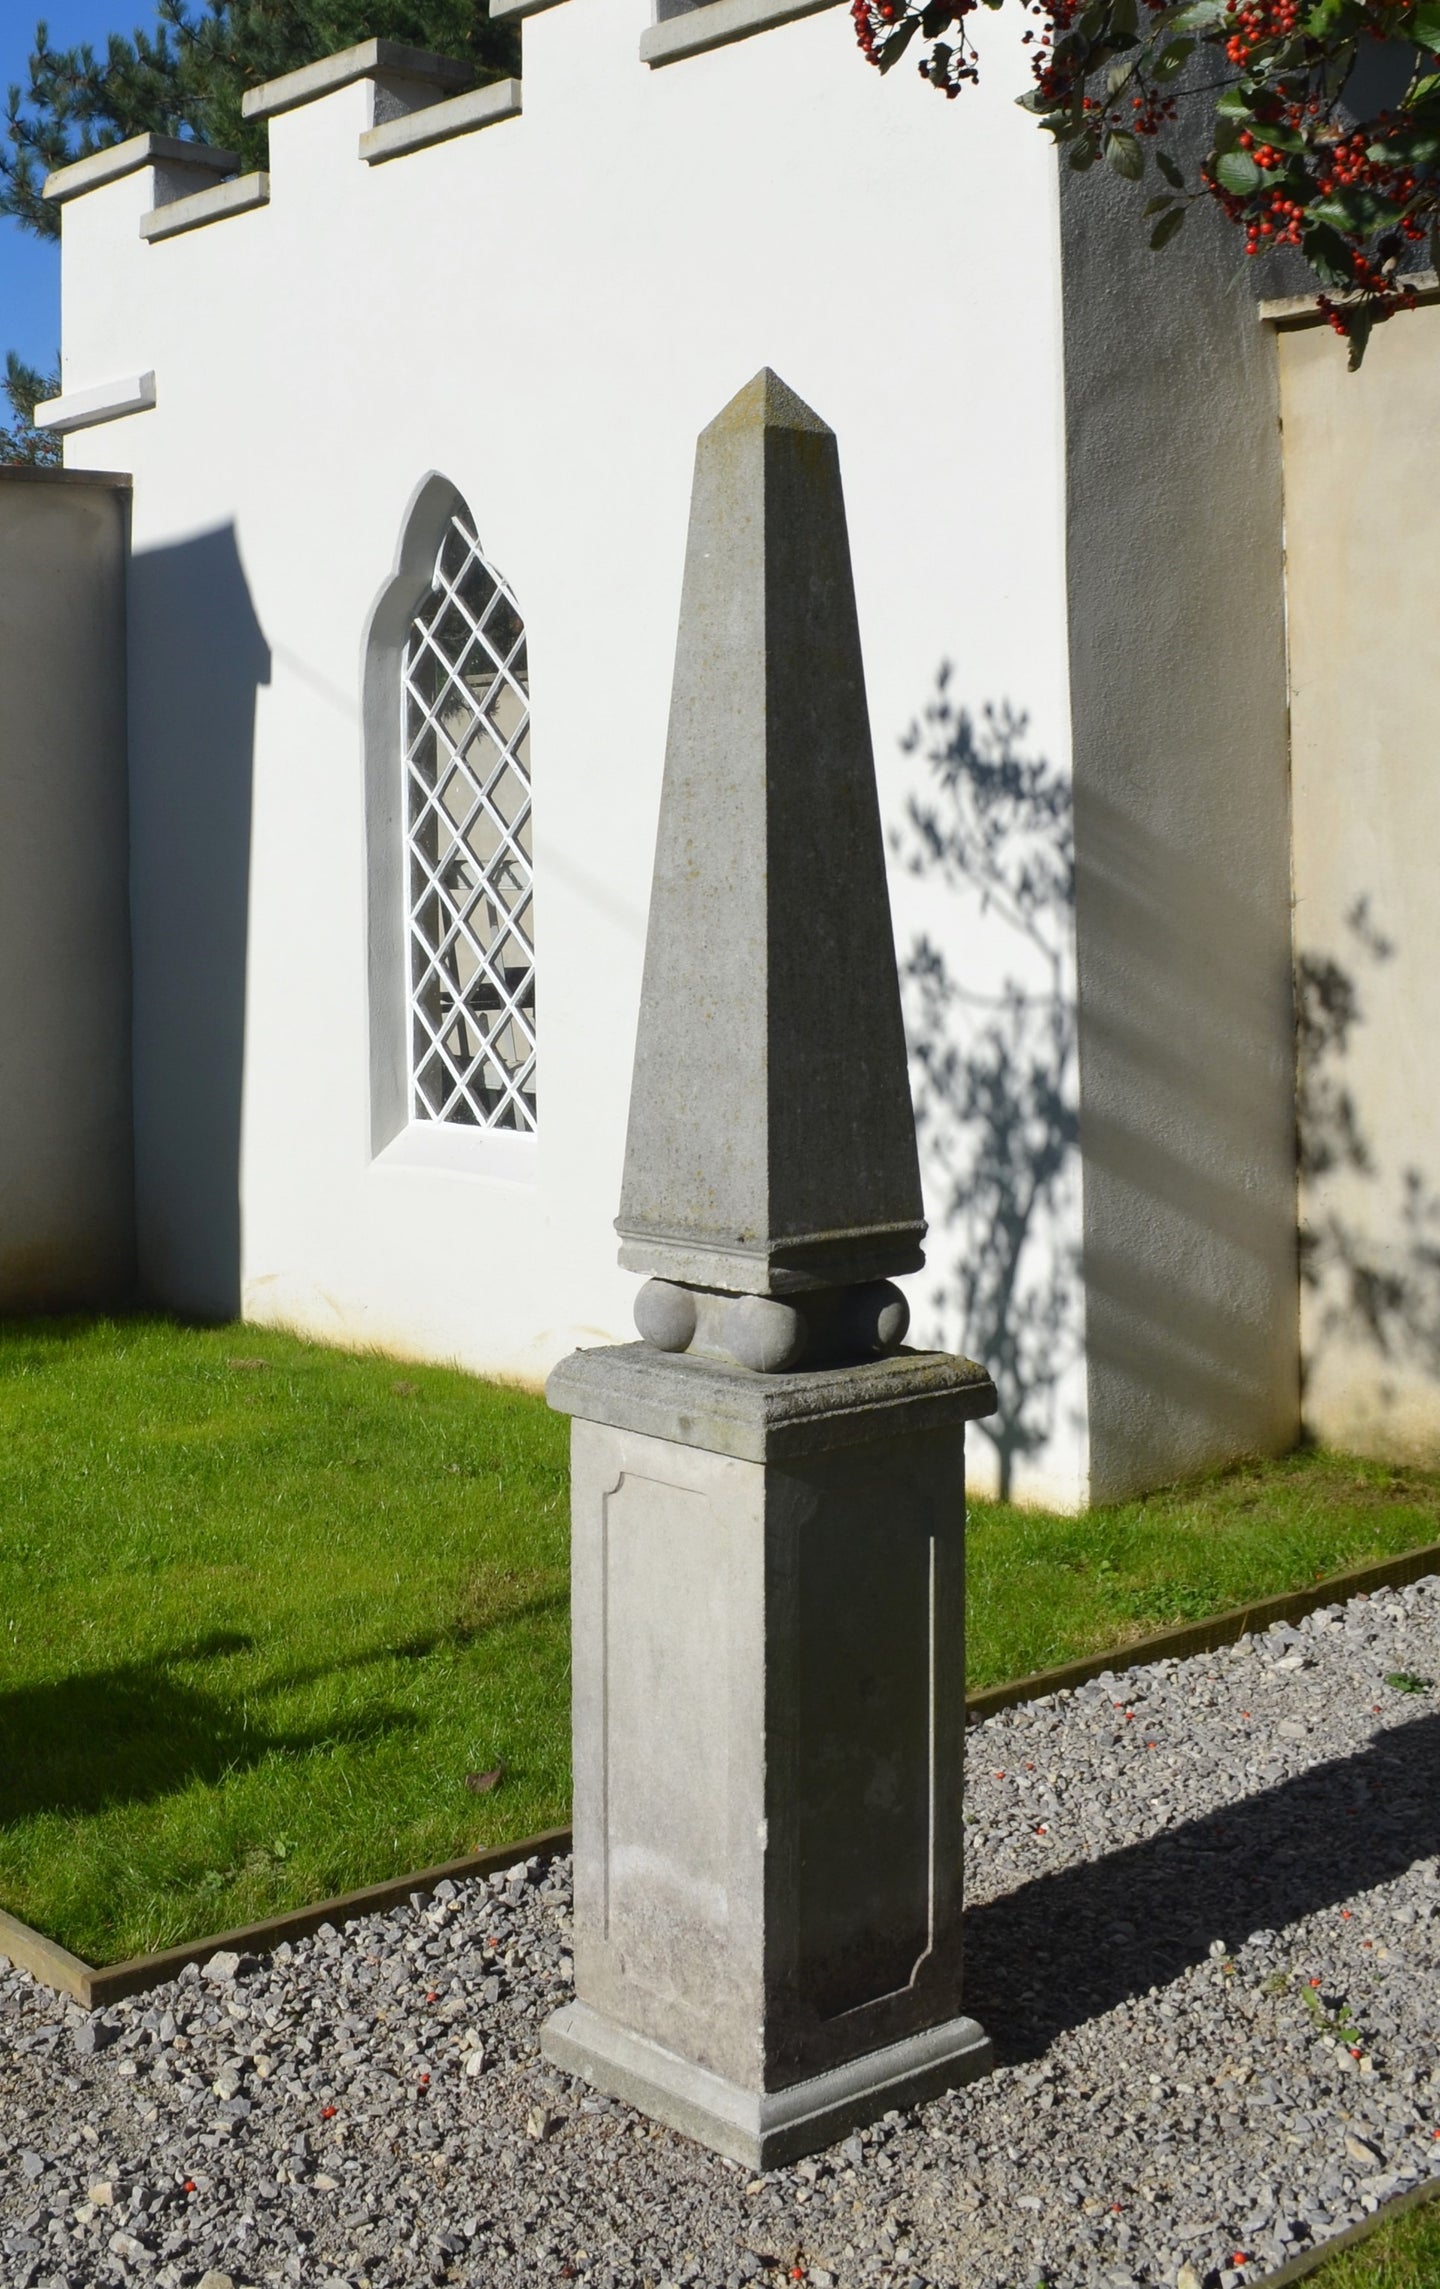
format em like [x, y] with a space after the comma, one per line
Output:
[993, 1064]
[1372, 1278]
[197, 655]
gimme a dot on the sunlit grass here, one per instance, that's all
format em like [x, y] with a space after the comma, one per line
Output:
[263, 1606]
[1045, 1589]
[1403, 2255]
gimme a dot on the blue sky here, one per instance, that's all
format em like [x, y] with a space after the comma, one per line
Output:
[30, 267]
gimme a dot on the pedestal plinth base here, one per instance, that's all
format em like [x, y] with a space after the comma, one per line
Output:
[763, 2129]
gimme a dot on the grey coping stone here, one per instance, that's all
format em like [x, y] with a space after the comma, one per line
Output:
[170, 153]
[771, 1146]
[707, 1403]
[439, 122]
[104, 401]
[366, 60]
[238, 197]
[715, 24]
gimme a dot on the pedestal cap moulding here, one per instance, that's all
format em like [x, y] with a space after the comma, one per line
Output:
[771, 1147]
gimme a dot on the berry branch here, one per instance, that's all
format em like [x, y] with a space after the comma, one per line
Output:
[1290, 162]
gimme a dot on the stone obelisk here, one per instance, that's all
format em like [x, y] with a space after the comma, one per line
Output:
[767, 1491]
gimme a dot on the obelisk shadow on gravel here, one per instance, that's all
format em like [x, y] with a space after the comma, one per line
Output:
[1049, 1951]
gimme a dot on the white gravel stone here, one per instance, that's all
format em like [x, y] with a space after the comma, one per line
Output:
[1204, 1930]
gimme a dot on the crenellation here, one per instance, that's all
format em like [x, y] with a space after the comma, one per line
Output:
[241, 195]
[694, 27]
[383, 61]
[439, 122]
[180, 165]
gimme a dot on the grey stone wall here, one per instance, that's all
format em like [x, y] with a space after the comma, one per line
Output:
[66, 1182]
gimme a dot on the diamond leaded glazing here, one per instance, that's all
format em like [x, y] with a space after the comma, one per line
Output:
[467, 809]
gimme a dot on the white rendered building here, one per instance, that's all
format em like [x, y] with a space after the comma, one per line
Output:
[408, 420]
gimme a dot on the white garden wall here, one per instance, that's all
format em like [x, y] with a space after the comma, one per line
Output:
[66, 1198]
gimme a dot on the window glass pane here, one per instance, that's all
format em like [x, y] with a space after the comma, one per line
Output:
[467, 816]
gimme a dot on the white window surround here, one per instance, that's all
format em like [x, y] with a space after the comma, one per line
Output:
[396, 1141]
[470, 889]
[499, 1156]
[716, 23]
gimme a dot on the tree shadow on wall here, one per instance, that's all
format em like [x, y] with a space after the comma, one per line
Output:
[993, 1058]
[1382, 1292]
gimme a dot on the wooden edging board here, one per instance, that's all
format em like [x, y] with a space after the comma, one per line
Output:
[96, 1987]
[1205, 1636]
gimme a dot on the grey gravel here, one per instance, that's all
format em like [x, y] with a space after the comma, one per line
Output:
[1204, 1931]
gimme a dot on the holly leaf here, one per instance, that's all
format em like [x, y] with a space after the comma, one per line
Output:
[1328, 254]
[1236, 171]
[1425, 26]
[1173, 174]
[1124, 154]
[1166, 228]
[1172, 60]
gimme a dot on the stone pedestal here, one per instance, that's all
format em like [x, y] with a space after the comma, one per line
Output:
[769, 1704]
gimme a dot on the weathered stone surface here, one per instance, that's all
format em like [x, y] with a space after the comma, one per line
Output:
[771, 1144]
[708, 1403]
[769, 1735]
[768, 1566]
[764, 2129]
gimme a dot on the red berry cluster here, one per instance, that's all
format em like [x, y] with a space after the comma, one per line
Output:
[1377, 192]
[1259, 23]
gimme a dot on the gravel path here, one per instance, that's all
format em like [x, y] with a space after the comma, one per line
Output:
[1205, 1933]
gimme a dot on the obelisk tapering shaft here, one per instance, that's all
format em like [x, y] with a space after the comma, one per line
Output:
[767, 1494]
[771, 1146]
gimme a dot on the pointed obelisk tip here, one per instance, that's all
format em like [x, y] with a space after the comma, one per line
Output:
[768, 403]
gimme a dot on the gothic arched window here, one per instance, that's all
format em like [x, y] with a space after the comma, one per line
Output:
[469, 891]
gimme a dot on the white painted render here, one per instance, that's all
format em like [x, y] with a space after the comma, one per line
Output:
[545, 312]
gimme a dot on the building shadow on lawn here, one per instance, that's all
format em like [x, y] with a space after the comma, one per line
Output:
[135, 1732]
[1066, 1947]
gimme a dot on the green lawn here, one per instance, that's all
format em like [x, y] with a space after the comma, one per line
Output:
[265, 1605]
[1045, 1589]
[1405, 2255]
